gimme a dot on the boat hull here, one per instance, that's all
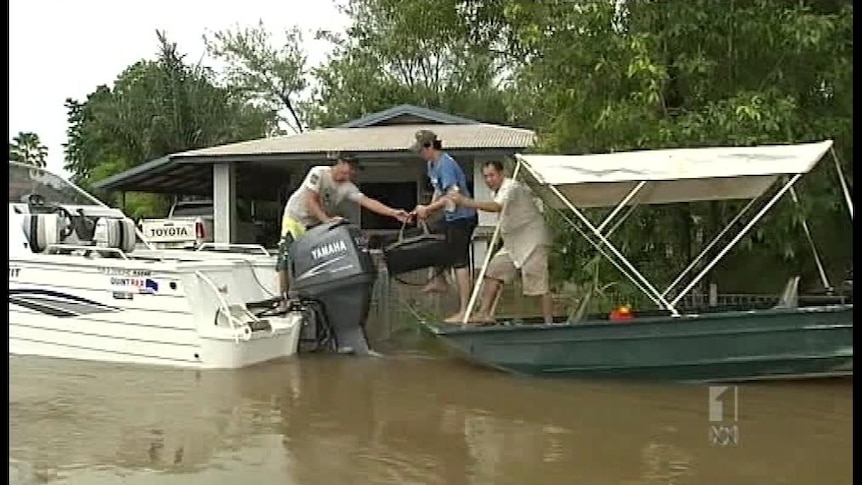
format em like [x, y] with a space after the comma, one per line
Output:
[116, 341]
[159, 313]
[729, 346]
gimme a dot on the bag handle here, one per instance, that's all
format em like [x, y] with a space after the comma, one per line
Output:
[401, 232]
[404, 225]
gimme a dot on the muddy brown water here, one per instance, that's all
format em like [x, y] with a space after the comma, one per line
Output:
[412, 417]
[415, 416]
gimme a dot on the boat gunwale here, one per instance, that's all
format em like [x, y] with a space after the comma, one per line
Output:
[444, 329]
[168, 265]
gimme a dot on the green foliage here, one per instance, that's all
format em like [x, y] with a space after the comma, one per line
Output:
[155, 108]
[429, 53]
[274, 76]
[604, 76]
[27, 148]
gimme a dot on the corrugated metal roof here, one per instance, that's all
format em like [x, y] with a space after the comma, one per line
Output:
[407, 110]
[151, 167]
[374, 139]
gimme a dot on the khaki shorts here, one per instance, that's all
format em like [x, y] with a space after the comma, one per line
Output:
[534, 272]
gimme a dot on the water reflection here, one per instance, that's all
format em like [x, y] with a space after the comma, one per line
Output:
[408, 419]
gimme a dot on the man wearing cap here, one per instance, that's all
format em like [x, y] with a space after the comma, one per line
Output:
[459, 222]
[325, 187]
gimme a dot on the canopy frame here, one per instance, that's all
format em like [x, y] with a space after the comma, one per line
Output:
[617, 259]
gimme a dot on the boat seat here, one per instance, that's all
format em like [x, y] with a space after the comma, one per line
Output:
[115, 233]
[790, 295]
[41, 230]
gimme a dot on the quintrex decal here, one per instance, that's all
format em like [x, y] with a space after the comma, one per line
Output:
[125, 272]
[57, 304]
[143, 285]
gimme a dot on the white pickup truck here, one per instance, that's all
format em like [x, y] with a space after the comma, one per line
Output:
[188, 225]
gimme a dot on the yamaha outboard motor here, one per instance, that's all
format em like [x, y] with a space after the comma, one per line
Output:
[332, 274]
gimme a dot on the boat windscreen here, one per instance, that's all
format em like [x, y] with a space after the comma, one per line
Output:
[25, 180]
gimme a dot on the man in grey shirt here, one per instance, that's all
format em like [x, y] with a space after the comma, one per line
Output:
[324, 188]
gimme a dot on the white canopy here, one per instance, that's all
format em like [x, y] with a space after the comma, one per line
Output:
[675, 175]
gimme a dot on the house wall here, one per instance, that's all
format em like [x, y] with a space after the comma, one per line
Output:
[411, 169]
[414, 170]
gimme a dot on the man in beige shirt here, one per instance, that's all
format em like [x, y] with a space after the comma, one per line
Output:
[526, 241]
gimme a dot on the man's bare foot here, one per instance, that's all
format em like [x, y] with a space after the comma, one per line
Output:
[482, 319]
[457, 318]
[435, 288]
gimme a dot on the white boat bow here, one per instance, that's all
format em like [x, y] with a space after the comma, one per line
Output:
[79, 289]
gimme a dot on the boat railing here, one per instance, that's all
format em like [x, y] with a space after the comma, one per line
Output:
[233, 247]
[86, 251]
[223, 304]
[755, 300]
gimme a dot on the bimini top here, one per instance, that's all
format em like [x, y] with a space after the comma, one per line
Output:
[674, 175]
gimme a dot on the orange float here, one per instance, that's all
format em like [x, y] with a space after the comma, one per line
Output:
[621, 313]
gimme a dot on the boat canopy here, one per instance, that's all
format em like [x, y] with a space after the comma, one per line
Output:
[673, 175]
[647, 177]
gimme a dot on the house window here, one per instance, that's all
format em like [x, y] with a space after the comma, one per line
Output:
[400, 195]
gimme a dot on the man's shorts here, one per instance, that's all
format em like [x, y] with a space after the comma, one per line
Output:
[534, 272]
[291, 230]
[459, 235]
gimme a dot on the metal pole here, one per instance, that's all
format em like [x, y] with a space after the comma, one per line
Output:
[738, 237]
[613, 249]
[844, 187]
[613, 229]
[709, 246]
[622, 204]
[488, 254]
[823, 278]
[598, 246]
[616, 265]
[620, 221]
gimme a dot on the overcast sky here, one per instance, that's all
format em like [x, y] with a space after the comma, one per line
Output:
[65, 48]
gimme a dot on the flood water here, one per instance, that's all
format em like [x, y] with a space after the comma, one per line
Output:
[408, 418]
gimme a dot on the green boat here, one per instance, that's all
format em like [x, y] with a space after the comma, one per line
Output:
[794, 337]
[805, 342]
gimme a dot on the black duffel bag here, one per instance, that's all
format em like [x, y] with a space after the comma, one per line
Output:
[426, 250]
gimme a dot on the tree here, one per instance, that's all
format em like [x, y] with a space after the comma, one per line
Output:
[26, 147]
[274, 76]
[436, 54]
[156, 108]
[430, 53]
[605, 76]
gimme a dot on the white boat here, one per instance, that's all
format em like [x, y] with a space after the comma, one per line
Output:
[78, 288]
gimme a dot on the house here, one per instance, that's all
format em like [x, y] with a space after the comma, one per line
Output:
[269, 169]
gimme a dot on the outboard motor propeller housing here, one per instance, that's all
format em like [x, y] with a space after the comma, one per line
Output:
[331, 266]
